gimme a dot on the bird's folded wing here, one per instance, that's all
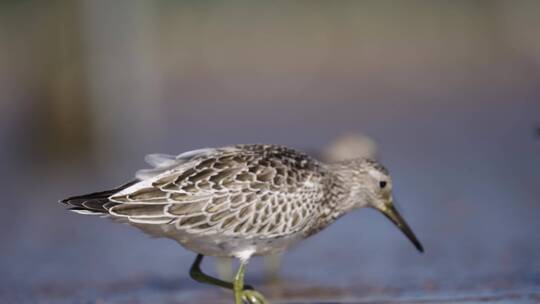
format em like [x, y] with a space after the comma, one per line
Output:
[226, 191]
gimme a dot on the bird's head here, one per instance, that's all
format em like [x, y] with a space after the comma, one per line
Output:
[371, 186]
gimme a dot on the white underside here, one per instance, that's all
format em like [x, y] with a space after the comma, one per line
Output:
[223, 246]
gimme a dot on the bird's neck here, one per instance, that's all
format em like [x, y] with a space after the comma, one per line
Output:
[346, 186]
[338, 200]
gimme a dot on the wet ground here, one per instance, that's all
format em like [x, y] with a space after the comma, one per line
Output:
[467, 184]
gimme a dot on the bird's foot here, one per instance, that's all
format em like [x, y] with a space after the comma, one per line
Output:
[251, 296]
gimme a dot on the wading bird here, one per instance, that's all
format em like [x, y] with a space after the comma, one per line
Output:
[242, 201]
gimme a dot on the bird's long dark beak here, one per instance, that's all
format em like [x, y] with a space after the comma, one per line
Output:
[392, 214]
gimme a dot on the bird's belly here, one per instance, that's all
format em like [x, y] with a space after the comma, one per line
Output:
[233, 246]
[216, 244]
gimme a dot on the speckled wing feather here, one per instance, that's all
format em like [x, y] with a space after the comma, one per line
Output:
[260, 190]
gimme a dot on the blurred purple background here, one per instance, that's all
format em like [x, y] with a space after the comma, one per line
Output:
[449, 90]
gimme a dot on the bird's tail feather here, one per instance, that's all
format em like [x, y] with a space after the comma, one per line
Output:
[94, 203]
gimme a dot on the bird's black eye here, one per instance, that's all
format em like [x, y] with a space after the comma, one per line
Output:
[382, 184]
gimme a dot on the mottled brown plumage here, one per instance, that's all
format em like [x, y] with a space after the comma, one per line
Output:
[243, 200]
[226, 201]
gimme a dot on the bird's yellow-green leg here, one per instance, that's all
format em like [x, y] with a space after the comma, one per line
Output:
[239, 284]
[243, 294]
[246, 292]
